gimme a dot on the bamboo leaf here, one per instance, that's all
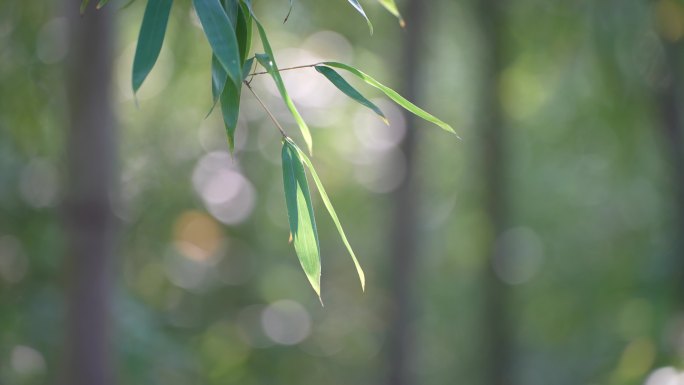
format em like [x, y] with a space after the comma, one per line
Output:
[244, 38]
[243, 33]
[231, 8]
[101, 4]
[230, 107]
[391, 6]
[247, 69]
[393, 95]
[84, 5]
[359, 8]
[331, 209]
[221, 36]
[150, 40]
[301, 216]
[218, 81]
[341, 84]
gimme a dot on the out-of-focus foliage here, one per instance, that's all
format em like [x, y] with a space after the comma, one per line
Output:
[210, 292]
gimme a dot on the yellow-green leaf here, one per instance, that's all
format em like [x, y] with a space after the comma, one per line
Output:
[301, 216]
[331, 209]
[84, 5]
[391, 6]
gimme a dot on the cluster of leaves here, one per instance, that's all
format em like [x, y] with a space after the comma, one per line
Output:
[228, 26]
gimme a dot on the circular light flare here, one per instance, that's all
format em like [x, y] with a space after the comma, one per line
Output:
[519, 255]
[303, 86]
[665, 376]
[226, 193]
[26, 360]
[286, 322]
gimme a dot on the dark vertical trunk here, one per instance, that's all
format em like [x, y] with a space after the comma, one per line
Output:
[670, 104]
[89, 222]
[496, 318]
[404, 229]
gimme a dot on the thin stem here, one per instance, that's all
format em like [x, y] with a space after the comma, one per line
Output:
[275, 121]
[287, 69]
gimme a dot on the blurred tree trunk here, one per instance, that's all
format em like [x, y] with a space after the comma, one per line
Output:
[670, 107]
[401, 344]
[91, 149]
[496, 318]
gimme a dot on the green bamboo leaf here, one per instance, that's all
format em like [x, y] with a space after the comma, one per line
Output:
[231, 8]
[301, 216]
[247, 68]
[150, 40]
[243, 33]
[230, 107]
[266, 61]
[101, 4]
[84, 5]
[391, 6]
[393, 95]
[219, 78]
[218, 81]
[269, 63]
[221, 36]
[331, 209]
[341, 84]
[244, 38]
[359, 8]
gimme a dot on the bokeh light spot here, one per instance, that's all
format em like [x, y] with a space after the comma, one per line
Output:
[197, 235]
[286, 322]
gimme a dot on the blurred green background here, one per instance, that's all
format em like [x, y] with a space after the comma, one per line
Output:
[548, 241]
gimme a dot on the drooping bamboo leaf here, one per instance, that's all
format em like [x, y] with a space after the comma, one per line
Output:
[231, 8]
[247, 68]
[230, 107]
[266, 61]
[150, 40]
[269, 63]
[331, 209]
[84, 5]
[392, 95]
[221, 36]
[359, 8]
[226, 94]
[341, 84]
[101, 4]
[391, 6]
[301, 216]
[243, 33]
[218, 82]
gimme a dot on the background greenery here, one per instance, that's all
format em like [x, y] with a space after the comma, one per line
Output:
[210, 292]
